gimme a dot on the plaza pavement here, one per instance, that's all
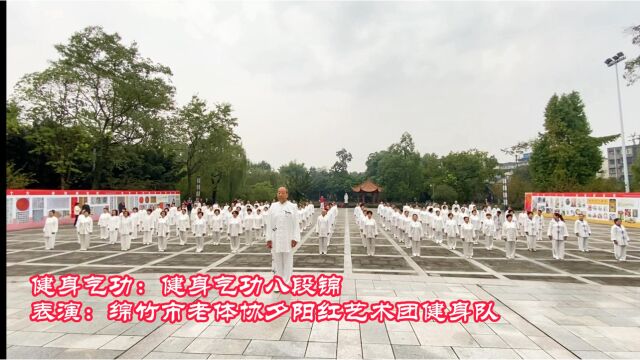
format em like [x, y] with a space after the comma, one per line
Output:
[587, 306]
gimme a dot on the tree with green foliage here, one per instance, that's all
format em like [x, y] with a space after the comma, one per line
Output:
[565, 155]
[199, 134]
[106, 88]
[444, 193]
[469, 173]
[66, 148]
[18, 179]
[297, 180]
[632, 66]
[398, 170]
[635, 175]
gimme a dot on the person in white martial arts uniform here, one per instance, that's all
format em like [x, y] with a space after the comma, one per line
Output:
[199, 231]
[50, 230]
[467, 235]
[162, 231]
[510, 236]
[497, 219]
[84, 227]
[451, 231]
[370, 233]
[437, 226]
[521, 221]
[406, 222]
[103, 223]
[114, 225]
[146, 226]
[620, 239]
[125, 230]
[284, 234]
[558, 234]
[475, 220]
[183, 225]
[235, 229]
[172, 217]
[538, 221]
[216, 226]
[415, 234]
[135, 223]
[583, 231]
[247, 225]
[322, 230]
[489, 230]
[258, 224]
[530, 231]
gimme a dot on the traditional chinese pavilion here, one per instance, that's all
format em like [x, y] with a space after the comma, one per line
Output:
[368, 190]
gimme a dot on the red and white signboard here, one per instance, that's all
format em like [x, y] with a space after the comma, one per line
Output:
[598, 207]
[29, 208]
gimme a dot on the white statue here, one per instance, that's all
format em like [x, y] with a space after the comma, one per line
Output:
[346, 198]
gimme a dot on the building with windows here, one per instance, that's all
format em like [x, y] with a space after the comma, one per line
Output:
[614, 160]
[522, 161]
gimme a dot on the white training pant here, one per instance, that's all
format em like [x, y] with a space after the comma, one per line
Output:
[531, 242]
[467, 248]
[147, 237]
[134, 233]
[235, 242]
[407, 240]
[451, 241]
[183, 237]
[583, 243]
[620, 252]
[216, 237]
[49, 242]
[199, 243]
[125, 241]
[371, 246]
[323, 243]
[162, 242]
[104, 234]
[510, 249]
[438, 236]
[85, 239]
[283, 264]
[557, 249]
[488, 240]
[113, 237]
[415, 247]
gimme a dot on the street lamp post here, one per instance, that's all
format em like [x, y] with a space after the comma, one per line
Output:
[613, 61]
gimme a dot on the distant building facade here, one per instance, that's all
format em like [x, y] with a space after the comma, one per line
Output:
[615, 164]
[508, 166]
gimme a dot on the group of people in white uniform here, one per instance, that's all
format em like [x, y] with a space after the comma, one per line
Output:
[410, 225]
[235, 221]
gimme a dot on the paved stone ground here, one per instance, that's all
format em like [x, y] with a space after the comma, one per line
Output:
[587, 306]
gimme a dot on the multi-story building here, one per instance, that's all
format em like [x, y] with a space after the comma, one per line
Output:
[614, 158]
[522, 161]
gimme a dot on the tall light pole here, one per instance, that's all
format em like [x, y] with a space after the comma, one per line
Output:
[613, 61]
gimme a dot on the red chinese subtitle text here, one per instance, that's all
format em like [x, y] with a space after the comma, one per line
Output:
[222, 310]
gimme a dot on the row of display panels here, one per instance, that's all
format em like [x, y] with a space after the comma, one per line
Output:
[28, 209]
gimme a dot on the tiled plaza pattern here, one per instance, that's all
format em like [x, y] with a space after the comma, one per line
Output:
[587, 306]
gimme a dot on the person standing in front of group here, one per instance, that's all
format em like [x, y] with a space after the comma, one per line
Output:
[284, 234]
